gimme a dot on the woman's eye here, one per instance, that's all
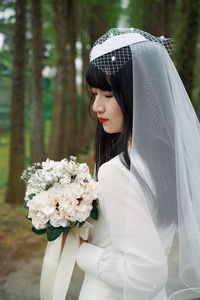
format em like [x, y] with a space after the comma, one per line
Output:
[104, 94]
[110, 95]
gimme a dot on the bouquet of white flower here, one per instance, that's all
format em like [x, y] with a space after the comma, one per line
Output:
[60, 195]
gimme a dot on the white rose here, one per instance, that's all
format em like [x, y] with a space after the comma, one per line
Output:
[39, 210]
[58, 220]
[39, 219]
[68, 206]
[38, 223]
[83, 212]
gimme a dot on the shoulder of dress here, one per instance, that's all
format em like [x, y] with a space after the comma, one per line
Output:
[113, 164]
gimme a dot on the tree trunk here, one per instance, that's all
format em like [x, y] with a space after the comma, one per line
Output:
[188, 43]
[153, 17]
[57, 136]
[168, 7]
[157, 16]
[88, 125]
[36, 105]
[15, 190]
[84, 118]
[85, 121]
[71, 114]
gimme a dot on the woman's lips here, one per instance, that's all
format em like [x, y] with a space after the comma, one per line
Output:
[102, 120]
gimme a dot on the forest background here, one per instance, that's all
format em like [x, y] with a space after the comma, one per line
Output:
[44, 100]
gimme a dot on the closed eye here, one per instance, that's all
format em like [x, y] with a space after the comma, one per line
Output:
[108, 94]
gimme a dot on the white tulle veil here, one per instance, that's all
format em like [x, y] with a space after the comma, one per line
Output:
[166, 139]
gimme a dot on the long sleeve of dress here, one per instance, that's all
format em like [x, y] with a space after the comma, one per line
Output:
[136, 258]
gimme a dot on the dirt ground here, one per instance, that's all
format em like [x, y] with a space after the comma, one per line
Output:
[21, 255]
[20, 277]
[23, 281]
[20, 270]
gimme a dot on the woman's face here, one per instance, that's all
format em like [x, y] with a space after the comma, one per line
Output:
[108, 111]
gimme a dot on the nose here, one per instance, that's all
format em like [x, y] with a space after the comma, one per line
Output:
[98, 106]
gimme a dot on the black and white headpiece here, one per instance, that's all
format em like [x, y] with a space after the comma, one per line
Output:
[110, 52]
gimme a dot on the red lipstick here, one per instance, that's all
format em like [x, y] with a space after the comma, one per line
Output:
[102, 120]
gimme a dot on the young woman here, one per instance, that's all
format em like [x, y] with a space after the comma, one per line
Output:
[147, 165]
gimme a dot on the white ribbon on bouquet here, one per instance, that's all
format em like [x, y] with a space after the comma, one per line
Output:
[58, 267]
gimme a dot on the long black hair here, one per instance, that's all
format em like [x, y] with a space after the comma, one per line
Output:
[108, 145]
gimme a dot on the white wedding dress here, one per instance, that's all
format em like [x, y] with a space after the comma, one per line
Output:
[146, 248]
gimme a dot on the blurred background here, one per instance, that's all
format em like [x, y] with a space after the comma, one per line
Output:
[44, 100]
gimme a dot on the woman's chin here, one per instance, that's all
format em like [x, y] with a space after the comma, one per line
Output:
[110, 130]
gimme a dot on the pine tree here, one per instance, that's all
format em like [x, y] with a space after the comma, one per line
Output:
[15, 188]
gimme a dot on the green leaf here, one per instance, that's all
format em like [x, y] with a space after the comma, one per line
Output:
[25, 204]
[81, 224]
[54, 232]
[94, 212]
[31, 196]
[38, 231]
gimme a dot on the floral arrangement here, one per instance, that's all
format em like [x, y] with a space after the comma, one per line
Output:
[60, 195]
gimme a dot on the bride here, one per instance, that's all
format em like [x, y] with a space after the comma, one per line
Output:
[146, 243]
